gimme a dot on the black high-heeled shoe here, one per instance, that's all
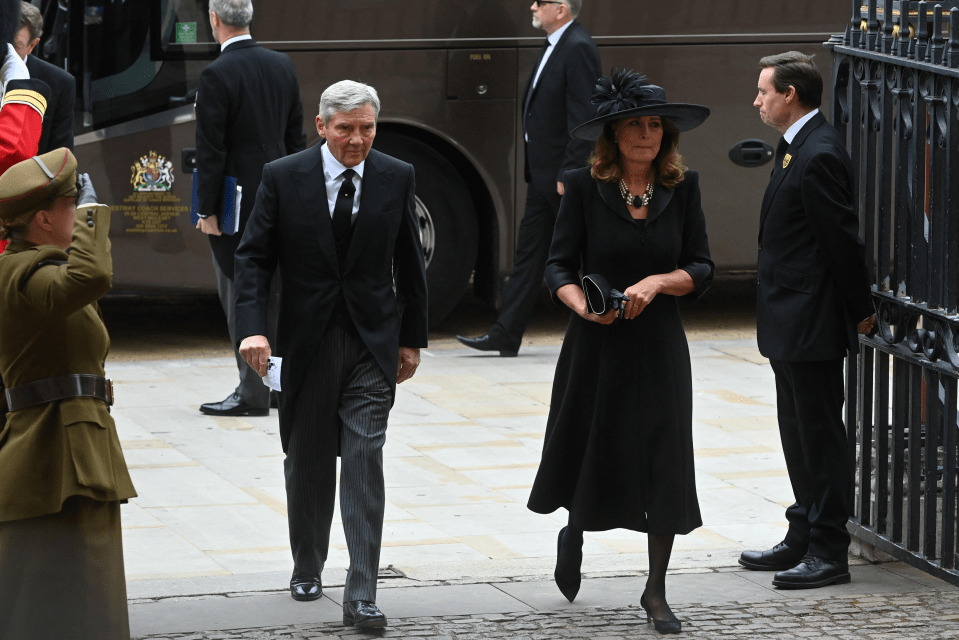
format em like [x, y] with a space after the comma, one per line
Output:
[569, 560]
[662, 626]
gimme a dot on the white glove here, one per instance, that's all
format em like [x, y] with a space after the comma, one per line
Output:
[14, 68]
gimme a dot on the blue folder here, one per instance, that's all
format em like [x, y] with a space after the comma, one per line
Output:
[229, 217]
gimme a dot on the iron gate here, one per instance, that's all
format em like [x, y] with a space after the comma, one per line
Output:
[895, 93]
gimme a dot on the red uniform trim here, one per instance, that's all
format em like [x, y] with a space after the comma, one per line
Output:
[20, 128]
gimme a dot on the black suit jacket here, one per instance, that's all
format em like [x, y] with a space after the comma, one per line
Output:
[58, 119]
[556, 105]
[813, 282]
[248, 113]
[291, 228]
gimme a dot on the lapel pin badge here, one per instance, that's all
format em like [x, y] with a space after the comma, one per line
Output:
[787, 160]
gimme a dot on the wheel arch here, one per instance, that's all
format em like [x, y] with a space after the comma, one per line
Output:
[486, 197]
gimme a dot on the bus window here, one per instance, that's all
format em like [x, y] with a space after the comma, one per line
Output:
[127, 58]
[181, 30]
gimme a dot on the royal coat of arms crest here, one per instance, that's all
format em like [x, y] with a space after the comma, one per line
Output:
[152, 173]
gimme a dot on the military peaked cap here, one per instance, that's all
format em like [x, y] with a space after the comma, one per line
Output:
[28, 186]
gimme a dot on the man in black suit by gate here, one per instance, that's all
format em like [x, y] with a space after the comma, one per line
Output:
[339, 220]
[58, 118]
[248, 113]
[555, 102]
[813, 297]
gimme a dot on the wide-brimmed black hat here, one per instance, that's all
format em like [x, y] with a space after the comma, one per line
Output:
[626, 94]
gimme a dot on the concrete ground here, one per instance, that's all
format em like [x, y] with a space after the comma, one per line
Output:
[206, 544]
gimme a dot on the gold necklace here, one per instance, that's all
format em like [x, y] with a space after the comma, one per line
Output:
[636, 201]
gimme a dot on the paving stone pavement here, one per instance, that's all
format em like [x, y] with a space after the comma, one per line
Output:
[917, 616]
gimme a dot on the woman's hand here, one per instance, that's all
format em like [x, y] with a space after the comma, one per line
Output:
[641, 294]
[574, 298]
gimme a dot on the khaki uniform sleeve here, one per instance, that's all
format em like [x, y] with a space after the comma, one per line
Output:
[88, 273]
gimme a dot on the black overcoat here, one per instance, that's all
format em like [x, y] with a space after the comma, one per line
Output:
[813, 285]
[558, 104]
[619, 450]
[383, 278]
[248, 113]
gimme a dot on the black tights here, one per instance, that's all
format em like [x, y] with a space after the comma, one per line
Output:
[660, 548]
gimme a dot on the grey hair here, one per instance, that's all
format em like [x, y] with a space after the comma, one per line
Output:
[233, 13]
[574, 7]
[347, 95]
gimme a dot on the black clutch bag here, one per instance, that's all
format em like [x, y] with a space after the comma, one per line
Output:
[600, 297]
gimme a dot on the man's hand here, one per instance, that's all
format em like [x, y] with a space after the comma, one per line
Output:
[865, 327]
[560, 188]
[409, 361]
[256, 351]
[209, 226]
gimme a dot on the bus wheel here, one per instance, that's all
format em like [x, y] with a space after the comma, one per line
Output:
[447, 220]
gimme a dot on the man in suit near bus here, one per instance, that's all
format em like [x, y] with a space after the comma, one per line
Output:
[339, 220]
[58, 119]
[813, 297]
[556, 101]
[248, 113]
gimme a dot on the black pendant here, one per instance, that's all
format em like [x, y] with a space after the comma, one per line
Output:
[637, 202]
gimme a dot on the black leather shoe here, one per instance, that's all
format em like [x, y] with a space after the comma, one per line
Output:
[779, 558]
[363, 615]
[673, 625]
[489, 343]
[232, 406]
[305, 586]
[569, 562]
[813, 572]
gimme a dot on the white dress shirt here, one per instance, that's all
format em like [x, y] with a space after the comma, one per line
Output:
[797, 125]
[333, 173]
[245, 36]
[553, 39]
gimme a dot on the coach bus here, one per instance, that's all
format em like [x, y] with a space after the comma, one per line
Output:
[450, 74]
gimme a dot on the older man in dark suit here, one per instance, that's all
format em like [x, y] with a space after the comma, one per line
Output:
[339, 221]
[248, 113]
[555, 102]
[813, 297]
[58, 119]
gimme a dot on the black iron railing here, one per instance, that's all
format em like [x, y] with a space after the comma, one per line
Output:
[895, 93]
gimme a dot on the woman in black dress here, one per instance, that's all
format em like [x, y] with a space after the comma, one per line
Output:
[618, 451]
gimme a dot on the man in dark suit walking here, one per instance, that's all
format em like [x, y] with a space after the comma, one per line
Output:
[248, 113]
[58, 119]
[555, 102]
[813, 298]
[339, 221]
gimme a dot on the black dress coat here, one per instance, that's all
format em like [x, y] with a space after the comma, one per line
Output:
[248, 113]
[558, 104]
[619, 451]
[291, 227]
[58, 118]
[813, 283]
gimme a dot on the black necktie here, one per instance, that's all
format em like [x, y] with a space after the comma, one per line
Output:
[343, 209]
[781, 153]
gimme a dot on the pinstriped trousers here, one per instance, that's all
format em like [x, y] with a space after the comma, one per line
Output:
[344, 404]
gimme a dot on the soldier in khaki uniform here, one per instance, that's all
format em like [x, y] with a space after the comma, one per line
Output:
[62, 472]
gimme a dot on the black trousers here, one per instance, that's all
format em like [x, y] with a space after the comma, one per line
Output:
[810, 397]
[344, 404]
[529, 265]
[251, 388]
